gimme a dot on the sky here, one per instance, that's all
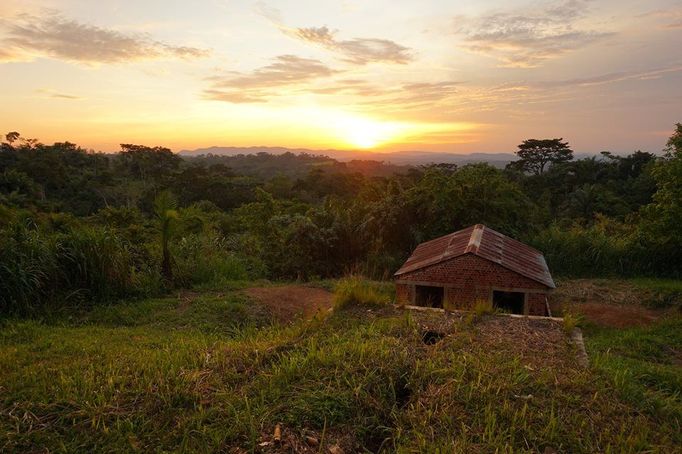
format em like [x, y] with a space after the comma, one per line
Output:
[382, 75]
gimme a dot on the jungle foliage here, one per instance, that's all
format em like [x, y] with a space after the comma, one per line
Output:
[81, 227]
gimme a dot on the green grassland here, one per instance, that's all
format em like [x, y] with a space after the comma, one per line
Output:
[214, 373]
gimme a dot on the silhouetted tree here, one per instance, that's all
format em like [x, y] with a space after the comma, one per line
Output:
[11, 137]
[536, 154]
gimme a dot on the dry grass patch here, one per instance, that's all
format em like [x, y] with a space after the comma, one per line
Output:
[287, 303]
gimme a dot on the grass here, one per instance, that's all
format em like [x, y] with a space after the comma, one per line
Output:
[650, 292]
[644, 365]
[570, 322]
[663, 292]
[358, 291]
[483, 307]
[209, 372]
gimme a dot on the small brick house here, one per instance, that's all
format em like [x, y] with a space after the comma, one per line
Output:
[473, 265]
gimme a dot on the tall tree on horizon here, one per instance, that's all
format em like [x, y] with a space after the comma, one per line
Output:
[536, 154]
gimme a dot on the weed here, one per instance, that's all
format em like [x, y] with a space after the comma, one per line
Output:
[483, 307]
[358, 291]
[570, 322]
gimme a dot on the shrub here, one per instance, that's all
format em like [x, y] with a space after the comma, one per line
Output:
[593, 251]
[571, 321]
[206, 259]
[40, 267]
[483, 307]
[357, 291]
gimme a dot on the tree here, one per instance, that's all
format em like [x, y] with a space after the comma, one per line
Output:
[148, 163]
[674, 144]
[11, 137]
[668, 197]
[165, 208]
[536, 154]
[662, 218]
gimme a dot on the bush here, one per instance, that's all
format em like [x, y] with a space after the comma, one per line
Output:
[483, 307]
[205, 259]
[571, 321]
[578, 251]
[607, 249]
[40, 267]
[354, 290]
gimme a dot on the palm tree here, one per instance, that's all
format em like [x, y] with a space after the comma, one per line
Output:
[165, 208]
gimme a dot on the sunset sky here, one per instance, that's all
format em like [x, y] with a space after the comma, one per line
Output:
[460, 76]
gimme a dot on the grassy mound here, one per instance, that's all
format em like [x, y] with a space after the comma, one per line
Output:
[206, 373]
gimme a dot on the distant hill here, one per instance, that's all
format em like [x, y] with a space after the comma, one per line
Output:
[396, 158]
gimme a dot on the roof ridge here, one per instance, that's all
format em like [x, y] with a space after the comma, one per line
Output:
[475, 238]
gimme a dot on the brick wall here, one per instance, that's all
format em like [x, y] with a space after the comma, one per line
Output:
[469, 278]
[537, 304]
[402, 294]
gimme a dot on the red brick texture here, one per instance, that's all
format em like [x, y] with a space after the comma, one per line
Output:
[468, 279]
[403, 294]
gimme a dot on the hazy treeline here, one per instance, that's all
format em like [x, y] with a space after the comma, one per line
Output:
[80, 227]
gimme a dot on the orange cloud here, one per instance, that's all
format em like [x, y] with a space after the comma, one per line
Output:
[527, 37]
[358, 51]
[54, 36]
[263, 83]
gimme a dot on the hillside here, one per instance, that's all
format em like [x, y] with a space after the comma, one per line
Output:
[397, 158]
[266, 166]
[219, 371]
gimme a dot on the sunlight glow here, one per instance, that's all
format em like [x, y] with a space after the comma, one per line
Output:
[365, 133]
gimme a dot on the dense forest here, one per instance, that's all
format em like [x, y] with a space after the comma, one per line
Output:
[78, 227]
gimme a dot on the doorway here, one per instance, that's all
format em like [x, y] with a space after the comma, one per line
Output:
[510, 302]
[428, 296]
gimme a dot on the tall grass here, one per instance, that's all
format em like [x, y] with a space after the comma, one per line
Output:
[206, 259]
[39, 267]
[355, 290]
[607, 249]
[583, 252]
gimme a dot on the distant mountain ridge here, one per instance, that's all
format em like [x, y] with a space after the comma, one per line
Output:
[397, 157]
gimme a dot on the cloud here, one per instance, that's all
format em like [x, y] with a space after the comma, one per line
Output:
[613, 77]
[50, 93]
[527, 37]
[269, 12]
[358, 51]
[283, 76]
[54, 36]
[677, 24]
[670, 18]
[354, 87]
[397, 95]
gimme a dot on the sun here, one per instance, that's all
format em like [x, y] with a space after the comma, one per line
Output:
[367, 133]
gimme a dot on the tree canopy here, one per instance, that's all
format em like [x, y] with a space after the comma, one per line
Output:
[536, 154]
[167, 221]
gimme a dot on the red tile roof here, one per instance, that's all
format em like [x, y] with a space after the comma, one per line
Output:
[486, 243]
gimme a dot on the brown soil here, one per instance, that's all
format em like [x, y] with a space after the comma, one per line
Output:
[608, 303]
[289, 302]
[615, 315]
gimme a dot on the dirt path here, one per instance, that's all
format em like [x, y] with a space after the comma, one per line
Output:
[290, 302]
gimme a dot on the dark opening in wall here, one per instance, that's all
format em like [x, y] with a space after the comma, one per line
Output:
[428, 296]
[511, 302]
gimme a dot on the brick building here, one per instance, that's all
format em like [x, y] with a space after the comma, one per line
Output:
[476, 264]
